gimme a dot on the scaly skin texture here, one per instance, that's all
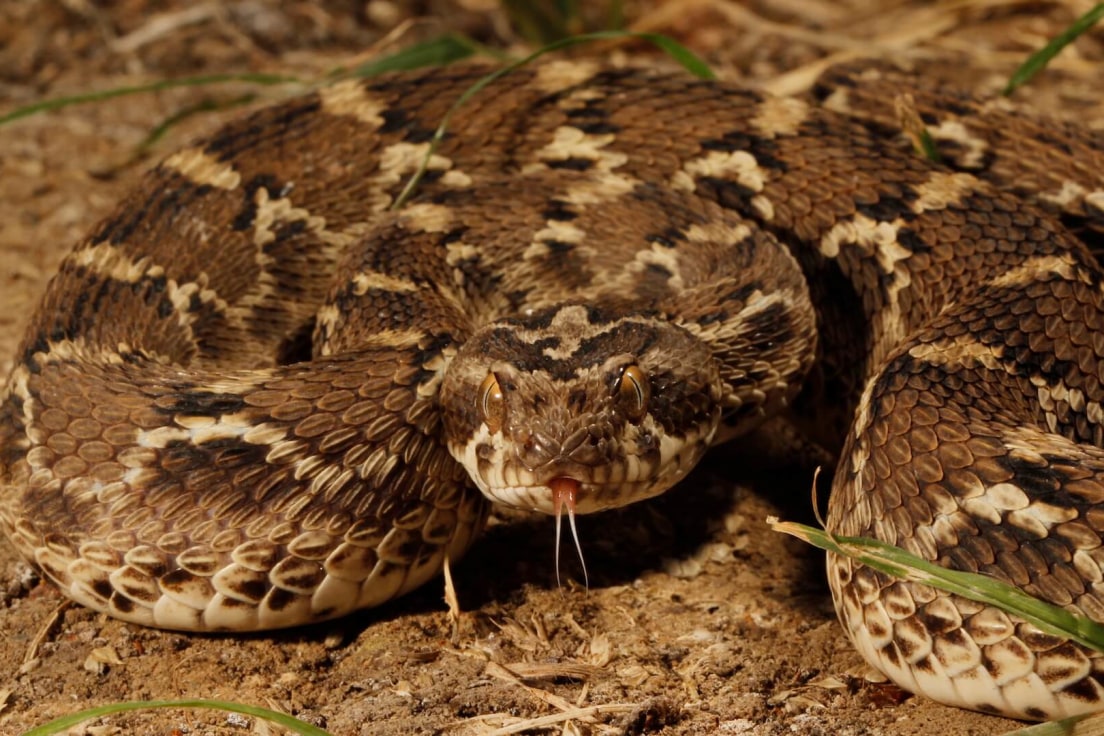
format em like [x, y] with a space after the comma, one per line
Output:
[253, 398]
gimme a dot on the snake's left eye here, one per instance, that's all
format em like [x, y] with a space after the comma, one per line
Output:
[492, 403]
[633, 392]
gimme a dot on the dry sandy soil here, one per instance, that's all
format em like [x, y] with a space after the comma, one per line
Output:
[697, 619]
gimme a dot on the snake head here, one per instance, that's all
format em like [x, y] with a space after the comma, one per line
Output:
[622, 405]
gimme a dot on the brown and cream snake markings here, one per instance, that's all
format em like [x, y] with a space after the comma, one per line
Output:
[253, 398]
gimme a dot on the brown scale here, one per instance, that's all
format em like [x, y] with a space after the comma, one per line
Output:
[1035, 158]
[159, 461]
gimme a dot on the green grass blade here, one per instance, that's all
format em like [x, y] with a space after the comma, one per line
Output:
[982, 588]
[60, 725]
[203, 106]
[927, 147]
[59, 102]
[436, 52]
[615, 14]
[689, 60]
[440, 51]
[675, 50]
[1089, 724]
[1037, 61]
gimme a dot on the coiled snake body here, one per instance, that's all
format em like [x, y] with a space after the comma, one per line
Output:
[253, 398]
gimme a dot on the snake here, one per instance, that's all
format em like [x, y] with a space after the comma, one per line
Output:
[259, 394]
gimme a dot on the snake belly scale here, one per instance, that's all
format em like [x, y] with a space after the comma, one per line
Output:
[253, 398]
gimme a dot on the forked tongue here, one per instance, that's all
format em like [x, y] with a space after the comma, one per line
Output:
[564, 491]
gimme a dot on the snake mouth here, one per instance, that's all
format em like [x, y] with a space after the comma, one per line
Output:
[494, 467]
[579, 496]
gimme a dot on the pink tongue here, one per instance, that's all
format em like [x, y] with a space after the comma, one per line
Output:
[564, 491]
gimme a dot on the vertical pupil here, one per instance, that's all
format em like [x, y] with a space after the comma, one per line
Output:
[634, 391]
[492, 403]
[490, 394]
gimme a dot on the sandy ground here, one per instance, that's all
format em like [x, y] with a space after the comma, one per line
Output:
[697, 619]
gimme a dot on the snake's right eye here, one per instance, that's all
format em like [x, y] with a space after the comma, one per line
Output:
[492, 403]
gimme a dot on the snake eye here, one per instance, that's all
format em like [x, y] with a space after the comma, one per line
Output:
[492, 404]
[633, 391]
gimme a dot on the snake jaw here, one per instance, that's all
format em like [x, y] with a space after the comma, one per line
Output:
[503, 477]
[585, 490]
